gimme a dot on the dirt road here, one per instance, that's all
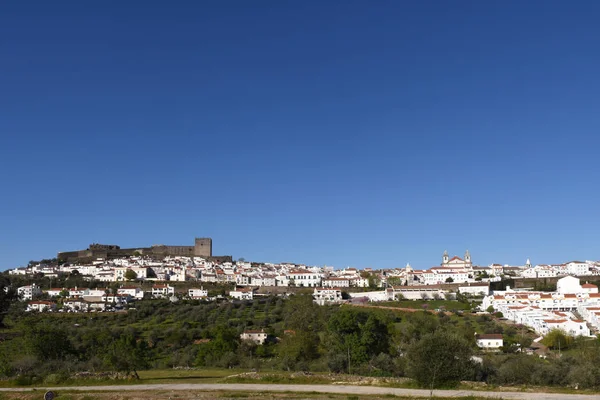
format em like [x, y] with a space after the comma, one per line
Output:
[341, 389]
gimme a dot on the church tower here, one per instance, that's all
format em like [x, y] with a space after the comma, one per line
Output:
[528, 264]
[408, 274]
[467, 257]
[445, 257]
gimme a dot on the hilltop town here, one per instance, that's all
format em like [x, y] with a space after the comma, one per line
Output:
[110, 263]
[503, 309]
[574, 310]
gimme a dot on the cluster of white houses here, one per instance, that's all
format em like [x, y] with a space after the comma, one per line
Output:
[243, 273]
[99, 299]
[573, 308]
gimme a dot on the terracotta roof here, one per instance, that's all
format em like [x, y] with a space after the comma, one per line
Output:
[589, 285]
[489, 336]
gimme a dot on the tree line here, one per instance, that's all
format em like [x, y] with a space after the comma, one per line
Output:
[434, 349]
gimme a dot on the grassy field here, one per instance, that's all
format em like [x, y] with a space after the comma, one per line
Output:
[431, 305]
[188, 395]
[212, 375]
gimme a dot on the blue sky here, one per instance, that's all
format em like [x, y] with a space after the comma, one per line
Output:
[346, 133]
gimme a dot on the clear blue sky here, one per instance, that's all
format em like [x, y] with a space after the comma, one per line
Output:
[346, 133]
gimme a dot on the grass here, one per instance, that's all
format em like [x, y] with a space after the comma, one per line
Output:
[210, 375]
[432, 305]
[189, 395]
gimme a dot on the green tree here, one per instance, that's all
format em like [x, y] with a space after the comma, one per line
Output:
[357, 336]
[130, 274]
[47, 342]
[7, 295]
[220, 350]
[439, 359]
[449, 280]
[557, 339]
[128, 355]
[297, 349]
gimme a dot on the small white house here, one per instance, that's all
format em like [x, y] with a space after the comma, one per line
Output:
[335, 282]
[324, 296]
[196, 293]
[29, 292]
[242, 294]
[162, 291]
[475, 289]
[257, 337]
[491, 341]
[133, 291]
[41, 306]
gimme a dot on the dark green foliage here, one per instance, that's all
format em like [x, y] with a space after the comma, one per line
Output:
[7, 295]
[432, 346]
[127, 355]
[440, 359]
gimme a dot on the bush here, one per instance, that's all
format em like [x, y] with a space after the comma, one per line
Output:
[54, 379]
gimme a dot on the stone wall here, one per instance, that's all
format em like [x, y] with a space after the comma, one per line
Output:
[203, 247]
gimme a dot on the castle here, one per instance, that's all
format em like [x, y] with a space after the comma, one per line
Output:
[202, 248]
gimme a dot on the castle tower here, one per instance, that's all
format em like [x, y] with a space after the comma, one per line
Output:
[445, 257]
[467, 257]
[203, 247]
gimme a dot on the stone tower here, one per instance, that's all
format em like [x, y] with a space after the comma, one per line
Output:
[203, 247]
[445, 257]
[408, 272]
[467, 257]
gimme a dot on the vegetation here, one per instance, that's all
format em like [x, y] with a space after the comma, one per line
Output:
[433, 347]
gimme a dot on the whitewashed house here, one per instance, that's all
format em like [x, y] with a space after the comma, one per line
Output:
[162, 291]
[196, 293]
[324, 296]
[133, 291]
[492, 341]
[304, 278]
[258, 337]
[568, 284]
[29, 292]
[242, 294]
[41, 306]
[335, 282]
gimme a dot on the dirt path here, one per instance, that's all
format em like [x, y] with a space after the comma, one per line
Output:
[342, 389]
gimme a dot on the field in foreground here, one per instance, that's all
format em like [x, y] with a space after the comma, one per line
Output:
[188, 395]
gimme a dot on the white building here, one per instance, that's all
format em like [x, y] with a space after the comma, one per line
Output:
[242, 294]
[196, 293]
[255, 336]
[475, 289]
[133, 291]
[304, 278]
[578, 268]
[568, 284]
[41, 306]
[29, 292]
[336, 282]
[324, 296]
[162, 291]
[491, 341]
